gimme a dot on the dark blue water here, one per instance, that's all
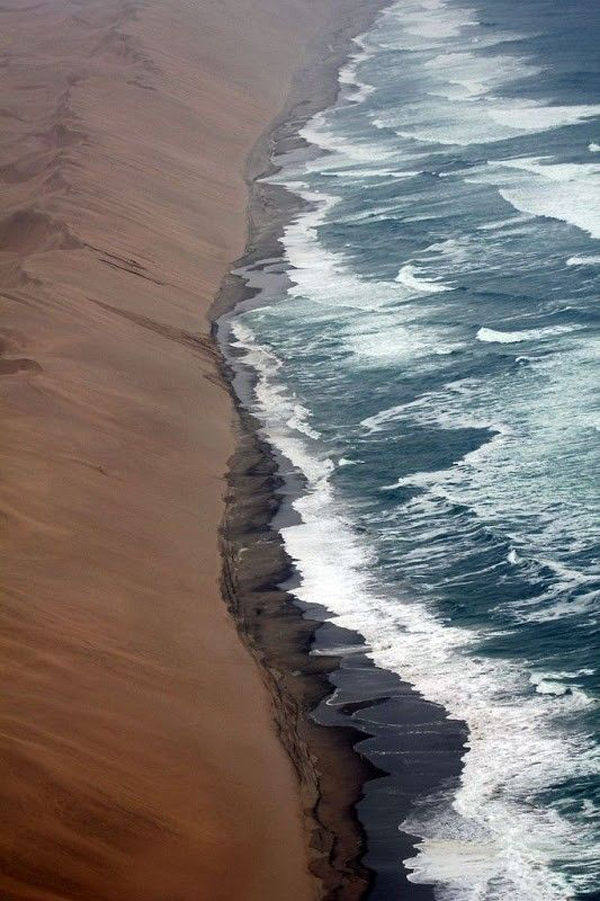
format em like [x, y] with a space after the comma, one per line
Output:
[433, 373]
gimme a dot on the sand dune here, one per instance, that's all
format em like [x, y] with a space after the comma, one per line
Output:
[136, 738]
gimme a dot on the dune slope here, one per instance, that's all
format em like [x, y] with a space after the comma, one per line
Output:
[138, 756]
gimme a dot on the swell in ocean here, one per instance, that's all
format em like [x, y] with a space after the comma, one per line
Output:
[423, 361]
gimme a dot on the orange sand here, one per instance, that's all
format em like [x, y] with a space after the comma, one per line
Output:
[138, 755]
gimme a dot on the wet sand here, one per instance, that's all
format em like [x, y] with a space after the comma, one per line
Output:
[367, 747]
[139, 758]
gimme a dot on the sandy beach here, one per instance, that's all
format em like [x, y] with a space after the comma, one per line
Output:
[140, 758]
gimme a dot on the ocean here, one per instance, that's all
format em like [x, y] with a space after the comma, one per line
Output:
[429, 377]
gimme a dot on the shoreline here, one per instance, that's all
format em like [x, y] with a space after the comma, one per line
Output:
[139, 752]
[256, 568]
[331, 774]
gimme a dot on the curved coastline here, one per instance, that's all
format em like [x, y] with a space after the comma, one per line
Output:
[331, 775]
[352, 830]
[140, 757]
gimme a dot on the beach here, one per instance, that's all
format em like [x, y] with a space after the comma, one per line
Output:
[365, 745]
[412, 350]
[140, 753]
[298, 450]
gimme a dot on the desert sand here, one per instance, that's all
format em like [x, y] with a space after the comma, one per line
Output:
[138, 754]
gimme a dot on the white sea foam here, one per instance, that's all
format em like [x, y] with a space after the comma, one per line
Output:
[490, 841]
[564, 204]
[594, 148]
[377, 422]
[410, 277]
[583, 261]
[569, 192]
[505, 223]
[515, 746]
[299, 420]
[554, 172]
[533, 117]
[428, 23]
[551, 684]
[356, 90]
[321, 275]
[374, 344]
[437, 408]
[469, 76]
[288, 420]
[461, 101]
[343, 150]
[494, 336]
[477, 118]
[367, 172]
[528, 424]
[433, 125]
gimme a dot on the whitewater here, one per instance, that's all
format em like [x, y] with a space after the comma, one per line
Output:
[431, 373]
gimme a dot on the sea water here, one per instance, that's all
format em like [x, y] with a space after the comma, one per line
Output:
[432, 372]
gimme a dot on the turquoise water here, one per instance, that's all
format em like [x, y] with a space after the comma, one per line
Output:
[432, 373]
